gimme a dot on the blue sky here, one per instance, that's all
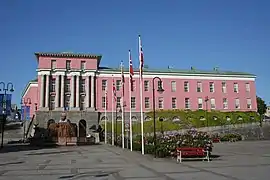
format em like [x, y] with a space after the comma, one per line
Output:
[231, 34]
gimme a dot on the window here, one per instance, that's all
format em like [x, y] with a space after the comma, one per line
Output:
[104, 84]
[133, 85]
[160, 102]
[82, 88]
[103, 102]
[237, 103]
[211, 87]
[118, 102]
[160, 84]
[186, 86]
[213, 103]
[225, 103]
[146, 85]
[199, 86]
[147, 102]
[53, 85]
[82, 65]
[118, 85]
[235, 87]
[68, 64]
[173, 103]
[82, 102]
[224, 87]
[173, 86]
[249, 103]
[67, 101]
[67, 85]
[247, 87]
[52, 103]
[133, 102]
[200, 103]
[187, 103]
[53, 64]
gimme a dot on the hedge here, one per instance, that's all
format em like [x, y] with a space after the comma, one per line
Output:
[188, 119]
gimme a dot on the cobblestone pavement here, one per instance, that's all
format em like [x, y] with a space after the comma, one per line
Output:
[237, 161]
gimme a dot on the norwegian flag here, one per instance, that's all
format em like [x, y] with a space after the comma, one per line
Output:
[131, 72]
[114, 91]
[141, 58]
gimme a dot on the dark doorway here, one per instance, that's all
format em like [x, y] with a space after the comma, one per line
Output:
[82, 128]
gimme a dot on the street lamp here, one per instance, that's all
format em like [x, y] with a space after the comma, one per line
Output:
[26, 102]
[9, 87]
[206, 107]
[160, 90]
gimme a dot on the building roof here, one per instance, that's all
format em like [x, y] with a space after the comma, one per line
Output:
[181, 71]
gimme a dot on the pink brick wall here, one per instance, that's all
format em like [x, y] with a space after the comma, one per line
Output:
[32, 93]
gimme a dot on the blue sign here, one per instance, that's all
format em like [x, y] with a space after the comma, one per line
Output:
[5, 104]
[25, 113]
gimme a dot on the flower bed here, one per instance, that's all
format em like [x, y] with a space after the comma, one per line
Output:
[166, 145]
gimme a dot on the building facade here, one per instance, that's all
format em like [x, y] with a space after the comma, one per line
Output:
[76, 83]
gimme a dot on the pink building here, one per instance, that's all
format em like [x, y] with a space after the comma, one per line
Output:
[76, 83]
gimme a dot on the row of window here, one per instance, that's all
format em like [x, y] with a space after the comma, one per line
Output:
[68, 65]
[67, 85]
[67, 103]
[200, 103]
[186, 86]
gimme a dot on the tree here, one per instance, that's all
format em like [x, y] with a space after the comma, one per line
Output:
[261, 108]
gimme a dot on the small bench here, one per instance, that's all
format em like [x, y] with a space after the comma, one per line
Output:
[216, 140]
[192, 153]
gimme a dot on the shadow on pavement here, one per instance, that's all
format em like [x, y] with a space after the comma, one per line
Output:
[24, 147]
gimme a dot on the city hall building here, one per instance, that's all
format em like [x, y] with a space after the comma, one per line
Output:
[76, 83]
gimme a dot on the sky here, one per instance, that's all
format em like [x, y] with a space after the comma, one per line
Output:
[230, 34]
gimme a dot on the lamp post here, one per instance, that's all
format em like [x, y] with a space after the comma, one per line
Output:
[206, 109]
[9, 87]
[26, 102]
[160, 89]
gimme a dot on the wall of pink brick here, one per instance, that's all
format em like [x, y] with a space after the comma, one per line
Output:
[32, 94]
[181, 95]
[45, 63]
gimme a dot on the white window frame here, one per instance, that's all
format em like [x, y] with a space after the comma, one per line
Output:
[104, 84]
[224, 87]
[174, 103]
[249, 103]
[83, 65]
[133, 102]
[53, 64]
[200, 103]
[52, 102]
[118, 102]
[186, 86]
[82, 86]
[248, 87]
[213, 103]
[68, 64]
[225, 103]
[173, 86]
[212, 87]
[160, 102]
[235, 87]
[147, 103]
[187, 103]
[82, 102]
[118, 85]
[67, 101]
[103, 102]
[67, 85]
[146, 85]
[53, 81]
[199, 86]
[237, 103]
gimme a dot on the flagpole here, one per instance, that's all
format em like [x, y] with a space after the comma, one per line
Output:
[106, 116]
[141, 95]
[130, 109]
[123, 130]
[112, 111]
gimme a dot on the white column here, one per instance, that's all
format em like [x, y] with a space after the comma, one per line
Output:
[72, 92]
[77, 91]
[57, 91]
[47, 91]
[87, 92]
[62, 96]
[41, 93]
[92, 92]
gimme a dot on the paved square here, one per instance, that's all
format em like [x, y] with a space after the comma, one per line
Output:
[237, 161]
